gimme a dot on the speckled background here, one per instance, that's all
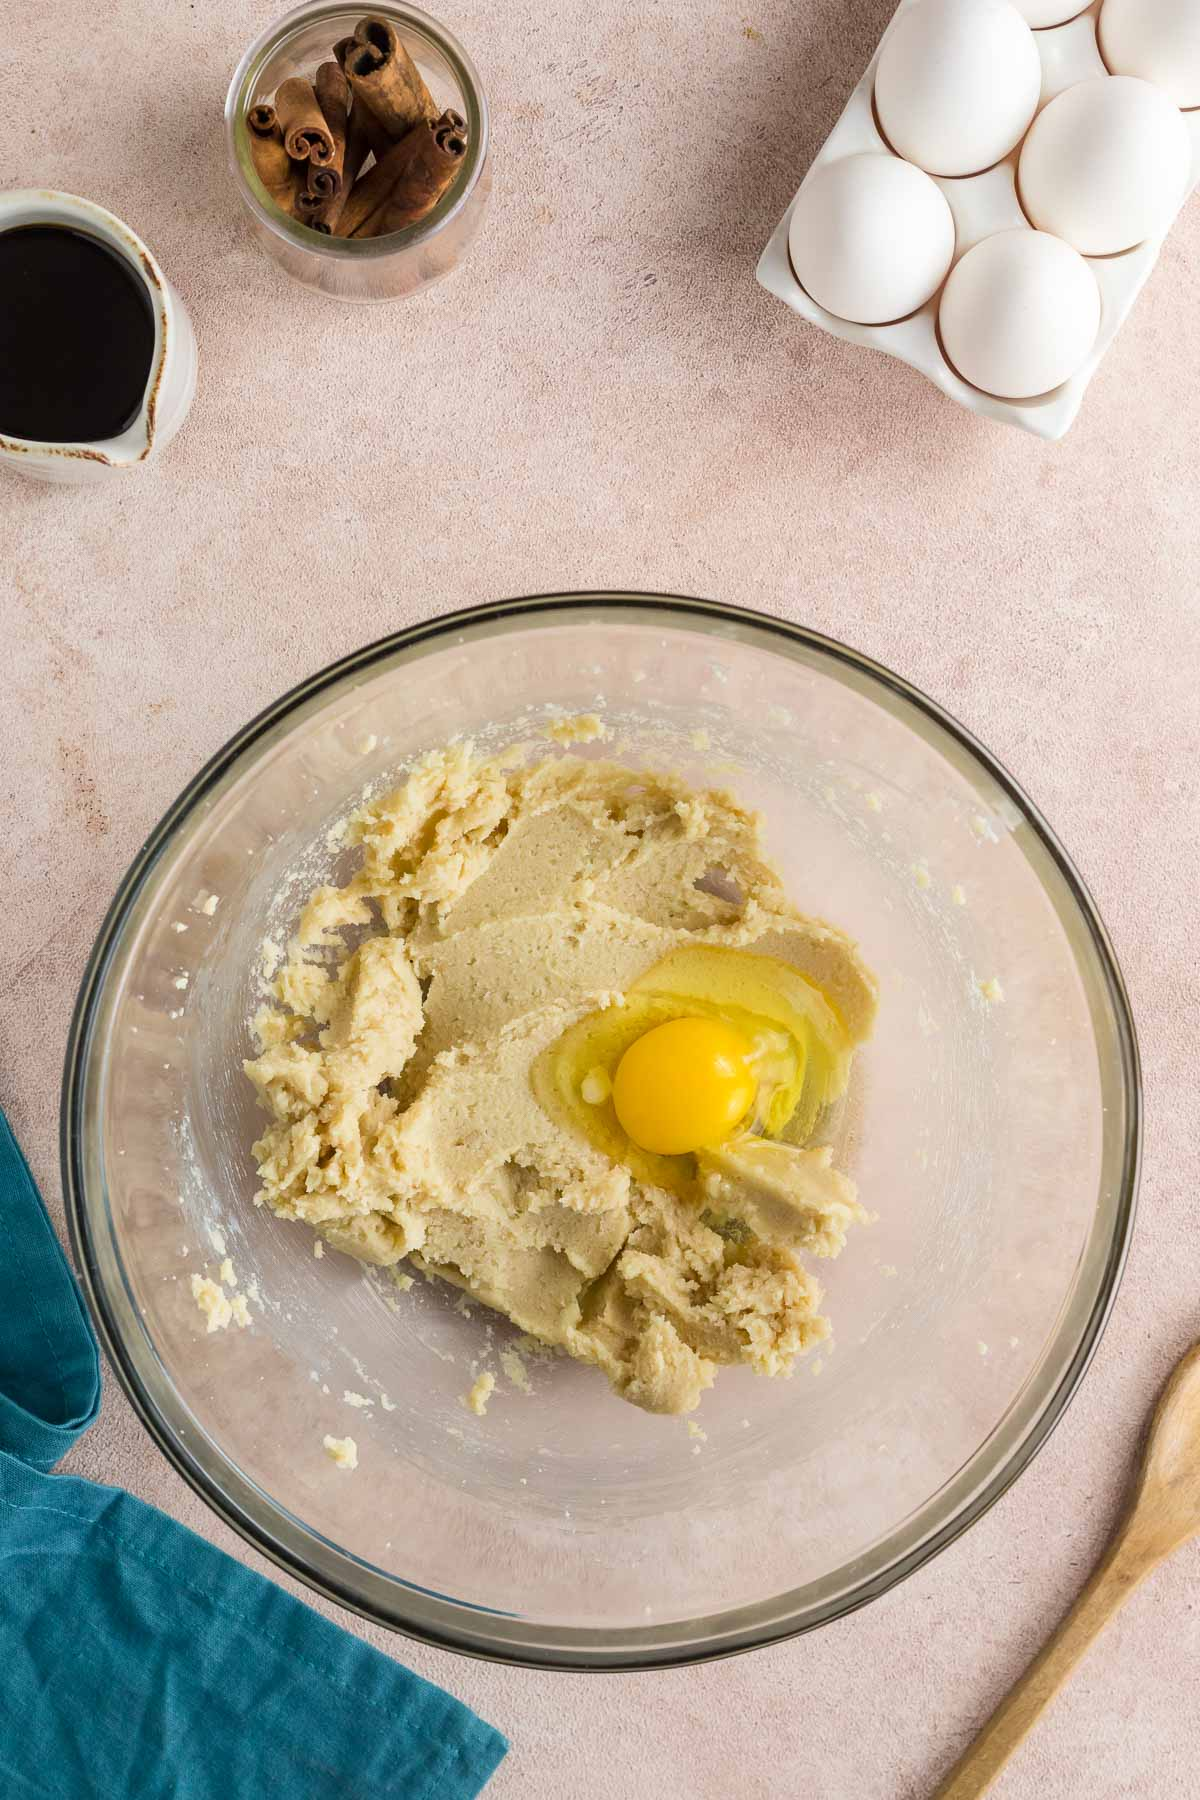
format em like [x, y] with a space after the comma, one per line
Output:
[630, 409]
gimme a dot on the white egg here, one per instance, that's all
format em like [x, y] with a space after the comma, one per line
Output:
[1040, 13]
[1019, 314]
[871, 238]
[957, 84]
[1105, 165]
[1159, 40]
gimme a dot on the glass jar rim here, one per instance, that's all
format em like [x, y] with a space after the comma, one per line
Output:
[241, 97]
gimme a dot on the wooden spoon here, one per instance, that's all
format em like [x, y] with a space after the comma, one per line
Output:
[1163, 1514]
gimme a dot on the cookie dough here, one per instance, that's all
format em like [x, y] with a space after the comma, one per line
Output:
[476, 1400]
[498, 903]
[212, 1303]
[219, 1309]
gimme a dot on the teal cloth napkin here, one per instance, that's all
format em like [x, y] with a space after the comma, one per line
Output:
[138, 1662]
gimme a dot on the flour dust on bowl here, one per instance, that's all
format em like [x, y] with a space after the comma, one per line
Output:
[991, 1124]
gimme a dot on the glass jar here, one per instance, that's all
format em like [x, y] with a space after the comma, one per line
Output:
[377, 268]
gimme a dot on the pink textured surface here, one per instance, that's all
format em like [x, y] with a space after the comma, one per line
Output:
[628, 408]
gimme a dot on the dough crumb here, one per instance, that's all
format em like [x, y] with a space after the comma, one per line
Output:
[178, 925]
[984, 829]
[874, 803]
[353, 1399]
[180, 982]
[226, 1273]
[696, 1431]
[982, 1347]
[991, 990]
[584, 728]
[958, 895]
[516, 1371]
[476, 1400]
[219, 1308]
[403, 1282]
[366, 744]
[216, 1238]
[212, 1303]
[921, 875]
[342, 1451]
[387, 1405]
[270, 957]
[252, 1291]
[318, 1249]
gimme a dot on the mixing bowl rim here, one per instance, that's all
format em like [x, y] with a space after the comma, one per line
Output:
[581, 1649]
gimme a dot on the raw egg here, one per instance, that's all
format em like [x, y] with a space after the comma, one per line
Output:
[684, 1084]
[1159, 40]
[871, 238]
[707, 1043]
[1106, 164]
[1019, 314]
[957, 84]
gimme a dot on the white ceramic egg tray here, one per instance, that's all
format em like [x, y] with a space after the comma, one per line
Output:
[982, 205]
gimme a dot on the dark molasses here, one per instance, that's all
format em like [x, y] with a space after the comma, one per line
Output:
[76, 336]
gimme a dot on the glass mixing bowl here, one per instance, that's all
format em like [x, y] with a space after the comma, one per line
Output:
[997, 1139]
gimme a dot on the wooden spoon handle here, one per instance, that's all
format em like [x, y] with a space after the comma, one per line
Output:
[1117, 1574]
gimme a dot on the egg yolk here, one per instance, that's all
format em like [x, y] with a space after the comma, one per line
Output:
[684, 1085]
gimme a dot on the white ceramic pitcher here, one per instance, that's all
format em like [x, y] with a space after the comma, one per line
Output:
[172, 381]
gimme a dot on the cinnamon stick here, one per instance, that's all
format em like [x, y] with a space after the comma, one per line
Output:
[262, 119]
[317, 198]
[384, 75]
[370, 191]
[273, 166]
[422, 184]
[306, 136]
[321, 185]
[333, 97]
[451, 124]
[408, 182]
[321, 207]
